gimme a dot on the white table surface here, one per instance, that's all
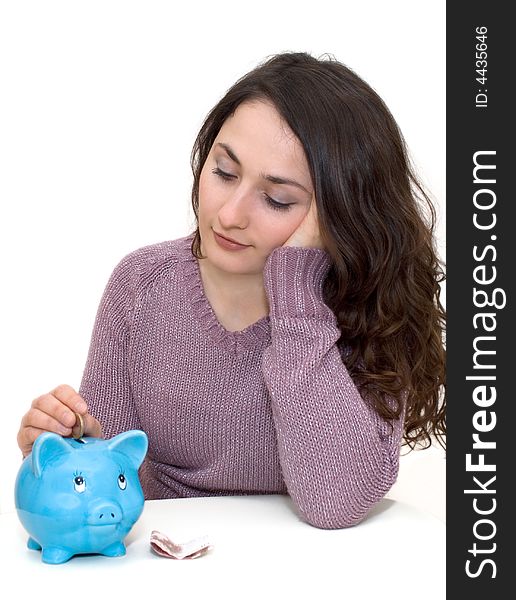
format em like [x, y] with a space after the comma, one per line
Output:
[261, 549]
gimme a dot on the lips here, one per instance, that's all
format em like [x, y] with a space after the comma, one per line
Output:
[228, 243]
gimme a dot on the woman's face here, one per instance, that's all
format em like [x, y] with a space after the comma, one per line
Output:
[255, 188]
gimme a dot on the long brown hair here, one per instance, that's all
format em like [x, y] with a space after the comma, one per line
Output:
[376, 223]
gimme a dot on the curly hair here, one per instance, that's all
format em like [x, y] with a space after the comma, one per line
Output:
[377, 224]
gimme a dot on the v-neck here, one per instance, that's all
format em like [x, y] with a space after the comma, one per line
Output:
[253, 336]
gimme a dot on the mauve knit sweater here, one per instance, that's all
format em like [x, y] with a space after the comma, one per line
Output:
[269, 409]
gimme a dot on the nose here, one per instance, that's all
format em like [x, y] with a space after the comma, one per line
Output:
[234, 213]
[105, 513]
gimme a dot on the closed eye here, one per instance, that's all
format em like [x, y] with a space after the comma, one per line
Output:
[274, 204]
[223, 175]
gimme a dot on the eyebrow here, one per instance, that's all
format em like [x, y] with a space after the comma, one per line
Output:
[271, 178]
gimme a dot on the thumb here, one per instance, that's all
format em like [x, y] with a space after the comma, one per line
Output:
[86, 425]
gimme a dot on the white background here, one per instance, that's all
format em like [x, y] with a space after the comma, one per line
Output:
[100, 103]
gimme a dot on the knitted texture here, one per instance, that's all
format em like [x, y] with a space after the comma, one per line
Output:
[269, 409]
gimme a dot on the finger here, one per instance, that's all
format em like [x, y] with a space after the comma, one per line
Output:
[78, 428]
[26, 438]
[92, 427]
[56, 409]
[86, 425]
[313, 209]
[313, 226]
[68, 396]
[39, 419]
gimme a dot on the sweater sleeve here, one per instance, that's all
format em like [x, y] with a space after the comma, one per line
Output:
[106, 385]
[338, 456]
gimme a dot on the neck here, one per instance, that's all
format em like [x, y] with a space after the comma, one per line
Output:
[236, 297]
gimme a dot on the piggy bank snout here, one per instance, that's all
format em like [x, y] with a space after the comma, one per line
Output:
[104, 513]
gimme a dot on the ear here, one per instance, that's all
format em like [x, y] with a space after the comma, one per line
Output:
[132, 444]
[46, 447]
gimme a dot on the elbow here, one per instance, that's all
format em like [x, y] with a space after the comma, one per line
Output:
[334, 517]
[345, 507]
[331, 523]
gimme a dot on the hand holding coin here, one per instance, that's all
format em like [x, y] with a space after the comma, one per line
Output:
[61, 411]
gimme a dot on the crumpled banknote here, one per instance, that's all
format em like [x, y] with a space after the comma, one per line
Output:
[161, 544]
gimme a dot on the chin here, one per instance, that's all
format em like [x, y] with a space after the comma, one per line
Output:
[234, 263]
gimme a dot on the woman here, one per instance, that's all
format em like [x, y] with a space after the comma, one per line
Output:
[292, 341]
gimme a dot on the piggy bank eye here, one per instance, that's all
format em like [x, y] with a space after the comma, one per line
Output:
[79, 484]
[122, 481]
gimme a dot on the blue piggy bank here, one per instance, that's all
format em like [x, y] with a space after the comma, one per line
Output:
[80, 496]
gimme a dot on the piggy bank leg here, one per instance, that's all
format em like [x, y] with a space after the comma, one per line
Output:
[33, 545]
[55, 556]
[116, 549]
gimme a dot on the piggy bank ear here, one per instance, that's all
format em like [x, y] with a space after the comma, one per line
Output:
[131, 443]
[46, 447]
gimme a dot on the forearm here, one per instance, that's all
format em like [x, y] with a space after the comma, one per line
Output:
[338, 457]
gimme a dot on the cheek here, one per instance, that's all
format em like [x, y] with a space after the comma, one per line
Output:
[207, 197]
